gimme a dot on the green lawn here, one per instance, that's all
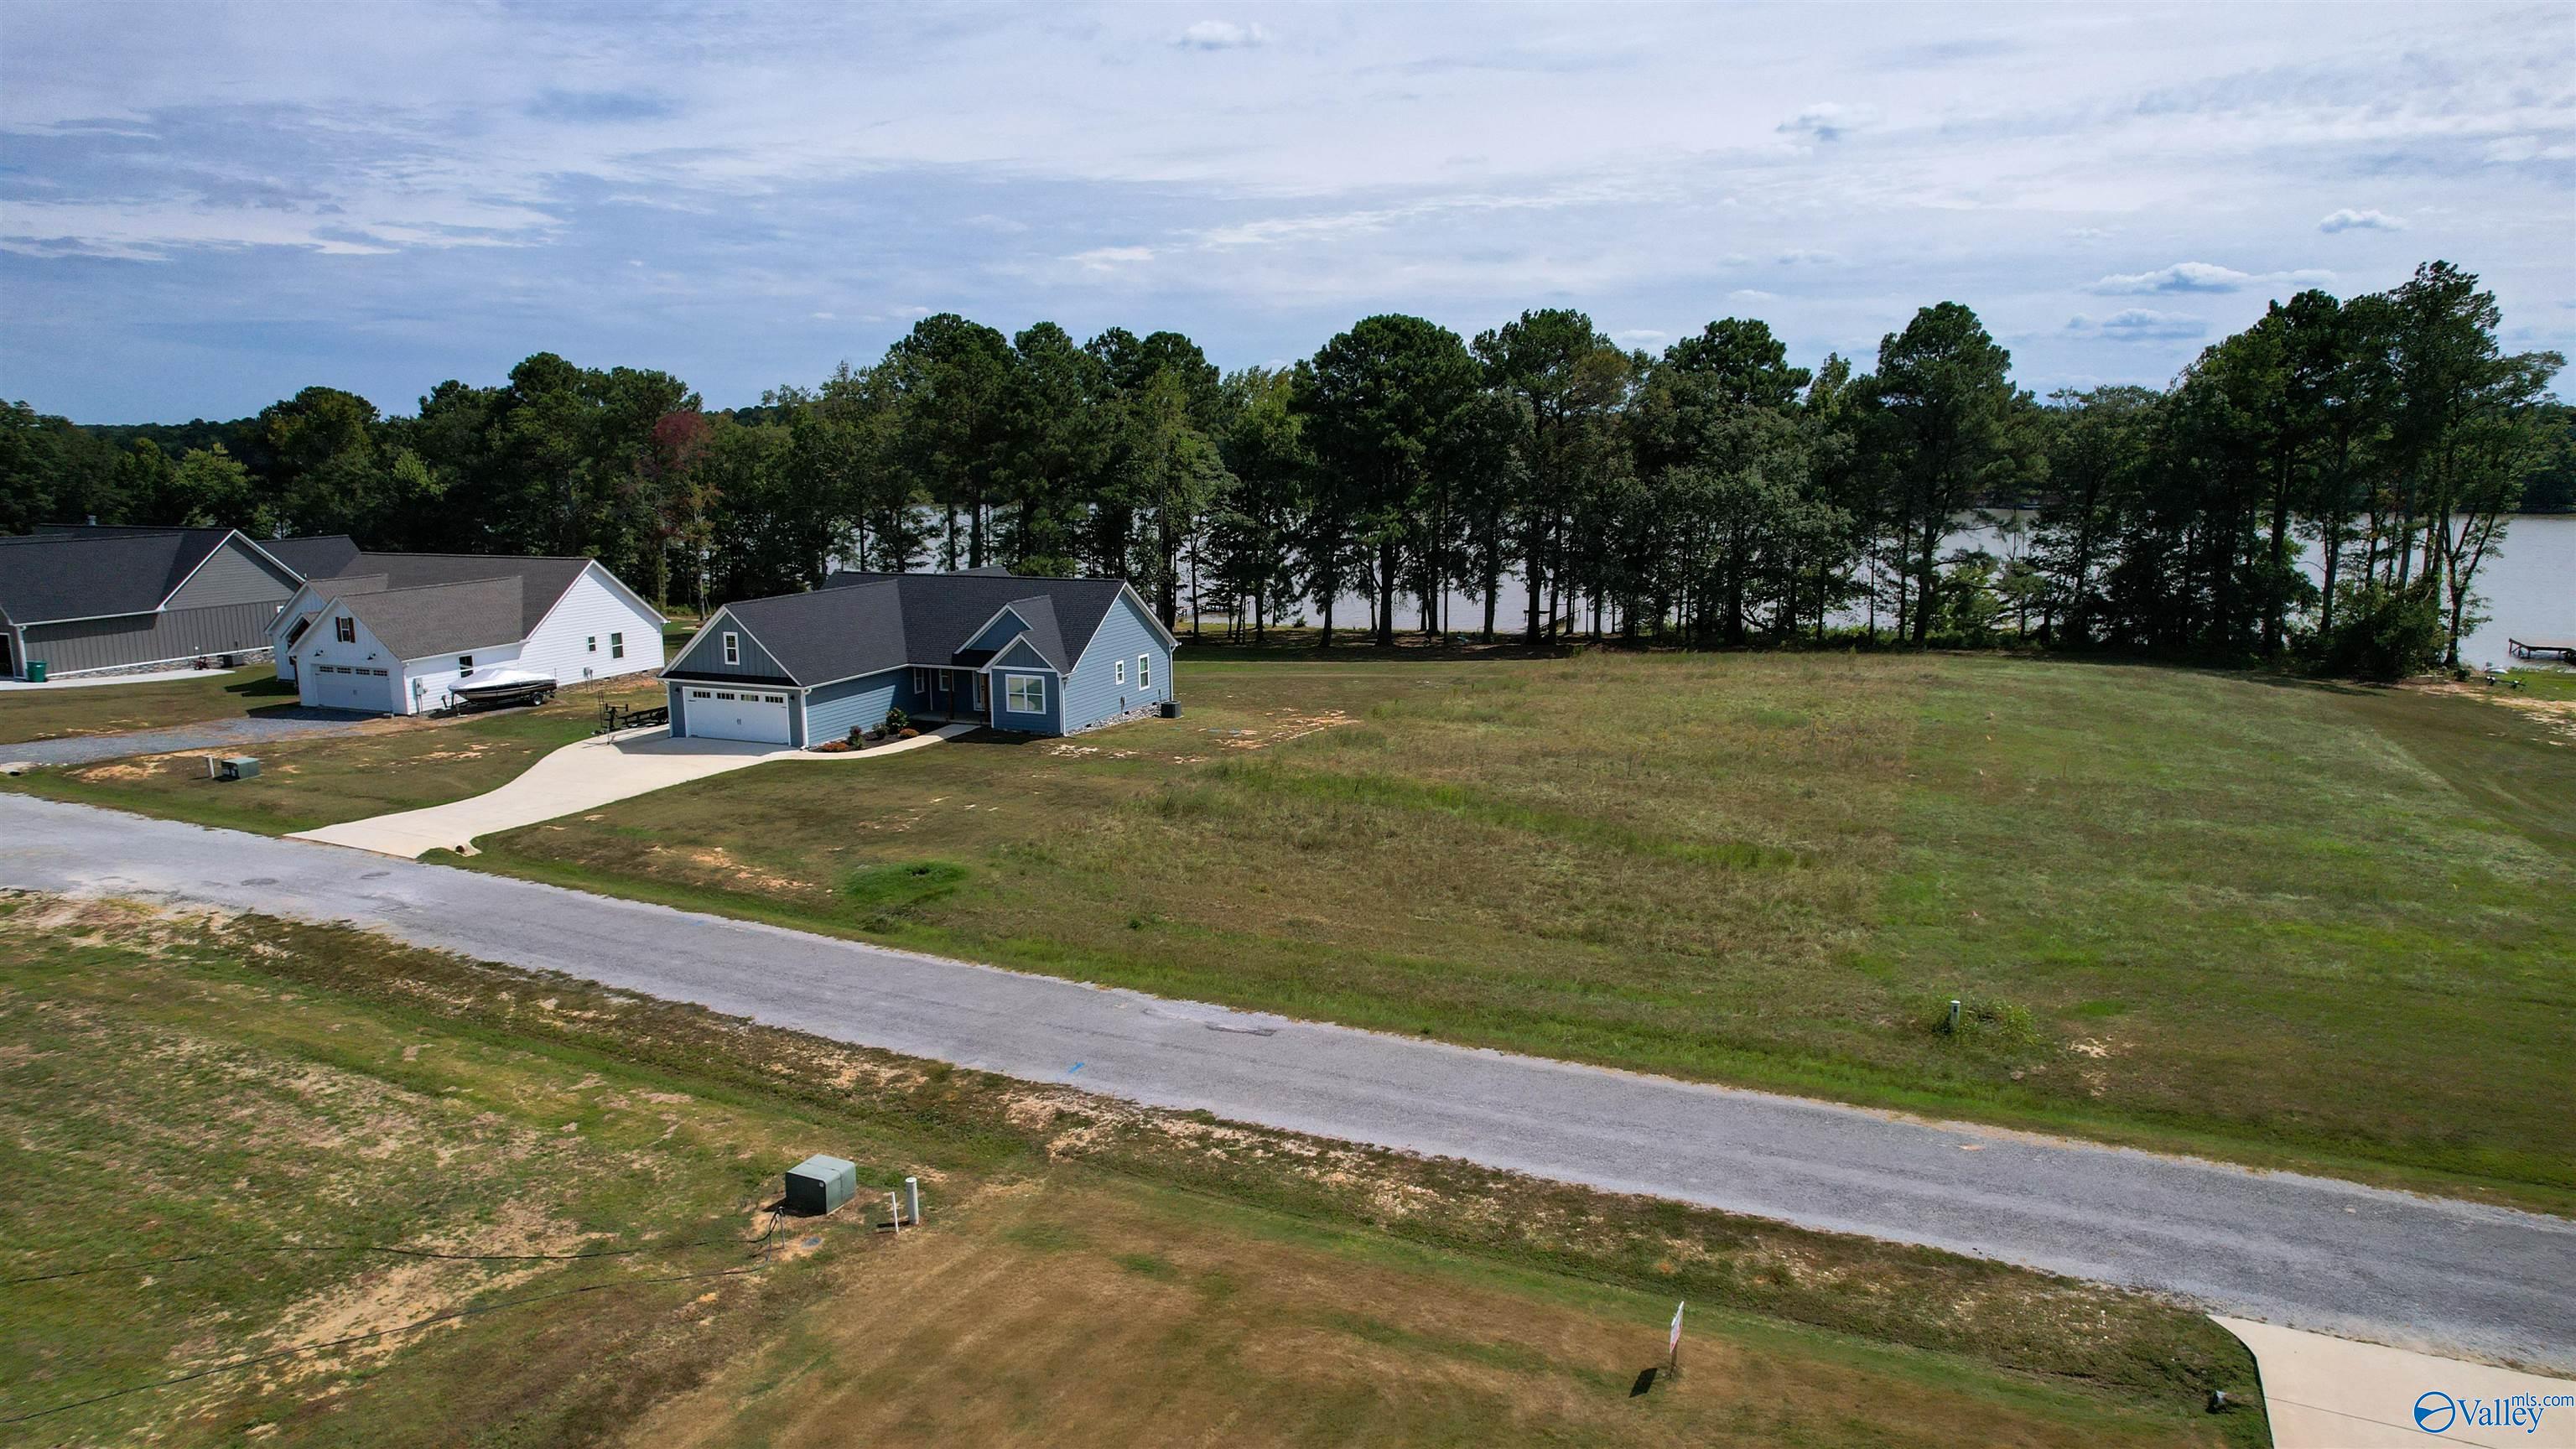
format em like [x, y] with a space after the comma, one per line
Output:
[2283, 923]
[306, 783]
[205, 1125]
[46, 714]
[2272, 921]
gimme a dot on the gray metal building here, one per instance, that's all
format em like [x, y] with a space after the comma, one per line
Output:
[86, 599]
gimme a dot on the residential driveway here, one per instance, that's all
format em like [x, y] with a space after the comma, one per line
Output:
[2308, 1252]
[231, 736]
[584, 775]
[2333, 1393]
[99, 681]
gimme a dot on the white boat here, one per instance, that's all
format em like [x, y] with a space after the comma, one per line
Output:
[506, 686]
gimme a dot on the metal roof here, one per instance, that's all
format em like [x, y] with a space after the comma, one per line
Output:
[318, 556]
[95, 573]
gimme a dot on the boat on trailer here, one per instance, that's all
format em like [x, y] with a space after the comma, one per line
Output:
[508, 687]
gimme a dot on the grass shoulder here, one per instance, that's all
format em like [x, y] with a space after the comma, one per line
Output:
[1136, 1272]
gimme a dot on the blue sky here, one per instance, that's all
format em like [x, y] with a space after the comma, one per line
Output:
[205, 206]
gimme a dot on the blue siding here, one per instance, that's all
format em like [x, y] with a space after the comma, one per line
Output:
[708, 656]
[1001, 631]
[831, 710]
[1093, 693]
[679, 712]
[1051, 722]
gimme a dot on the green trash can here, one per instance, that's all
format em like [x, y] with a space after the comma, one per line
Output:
[35, 671]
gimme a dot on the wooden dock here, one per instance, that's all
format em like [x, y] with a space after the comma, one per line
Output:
[2540, 648]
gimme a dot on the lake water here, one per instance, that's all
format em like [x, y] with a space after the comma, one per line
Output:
[2529, 588]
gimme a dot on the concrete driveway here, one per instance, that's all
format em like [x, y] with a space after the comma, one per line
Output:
[2333, 1393]
[584, 775]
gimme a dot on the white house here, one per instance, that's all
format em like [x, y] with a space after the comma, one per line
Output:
[367, 642]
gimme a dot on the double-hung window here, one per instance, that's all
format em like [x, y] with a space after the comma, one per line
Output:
[1025, 694]
[733, 648]
[616, 646]
[345, 629]
[464, 665]
[1118, 672]
[1144, 671]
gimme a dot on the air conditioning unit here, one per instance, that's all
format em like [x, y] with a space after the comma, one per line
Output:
[237, 767]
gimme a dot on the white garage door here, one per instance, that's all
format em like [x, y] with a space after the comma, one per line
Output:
[348, 686]
[737, 714]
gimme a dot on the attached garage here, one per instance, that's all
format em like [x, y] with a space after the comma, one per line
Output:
[758, 715]
[352, 686]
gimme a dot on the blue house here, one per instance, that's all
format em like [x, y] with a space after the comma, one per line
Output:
[1031, 655]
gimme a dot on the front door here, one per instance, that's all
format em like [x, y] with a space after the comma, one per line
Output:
[983, 694]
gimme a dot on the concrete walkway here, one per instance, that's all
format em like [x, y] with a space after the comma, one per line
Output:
[94, 681]
[584, 775]
[2333, 1393]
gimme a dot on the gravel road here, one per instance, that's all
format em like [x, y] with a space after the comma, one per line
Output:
[293, 722]
[2307, 1252]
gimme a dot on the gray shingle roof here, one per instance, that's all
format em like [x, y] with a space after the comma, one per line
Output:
[320, 556]
[443, 618]
[89, 573]
[544, 579]
[859, 623]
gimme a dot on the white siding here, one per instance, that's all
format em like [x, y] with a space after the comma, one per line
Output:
[438, 674]
[319, 646]
[593, 608]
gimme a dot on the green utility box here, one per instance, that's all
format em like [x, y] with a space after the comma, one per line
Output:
[238, 767]
[35, 671]
[819, 1184]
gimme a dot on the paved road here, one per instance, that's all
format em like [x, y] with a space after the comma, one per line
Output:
[287, 723]
[2308, 1252]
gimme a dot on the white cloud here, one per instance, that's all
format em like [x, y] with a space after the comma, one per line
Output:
[2200, 277]
[1222, 35]
[2139, 324]
[1829, 121]
[1805, 257]
[2348, 219]
[1108, 259]
[1640, 336]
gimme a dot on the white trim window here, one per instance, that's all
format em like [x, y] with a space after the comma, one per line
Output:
[1144, 671]
[594, 643]
[733, 648]
[464, 665]
[1118, 672]
[617, 646]
[345, 629]
[921, 682]
[1024, 693]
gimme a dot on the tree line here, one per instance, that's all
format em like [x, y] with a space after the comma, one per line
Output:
[1709, 494]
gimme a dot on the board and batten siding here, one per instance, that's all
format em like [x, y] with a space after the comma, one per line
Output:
[832, 710]
[1021, 660]
[1004, 628]
[1093, 692]
[150, 638]
[232, 574]
[679, 708]
[572, 642]
[707, 655]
